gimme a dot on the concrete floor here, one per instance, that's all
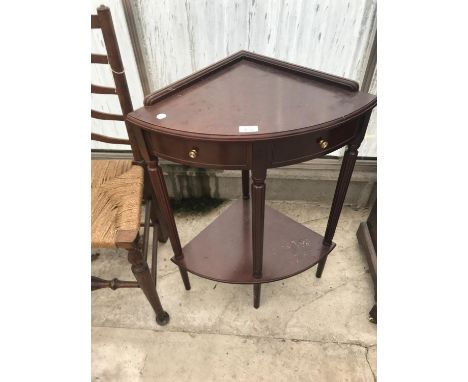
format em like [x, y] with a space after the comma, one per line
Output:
[306, 329]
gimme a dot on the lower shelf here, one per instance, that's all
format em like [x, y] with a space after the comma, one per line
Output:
[223, 250]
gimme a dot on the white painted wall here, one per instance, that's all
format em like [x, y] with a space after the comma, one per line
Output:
[102, 75]
[179, 37]
[369, 145]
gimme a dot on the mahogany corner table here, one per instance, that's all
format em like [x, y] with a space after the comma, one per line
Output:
[251, 113]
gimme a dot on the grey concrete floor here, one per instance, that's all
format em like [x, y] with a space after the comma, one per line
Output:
[306, 329]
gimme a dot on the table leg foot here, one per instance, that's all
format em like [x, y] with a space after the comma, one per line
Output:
[185, 278]
[257, 289]
[373, 314]
[321, 267]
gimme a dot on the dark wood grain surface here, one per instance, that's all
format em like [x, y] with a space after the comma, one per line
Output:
[223, 250]
[250, 91]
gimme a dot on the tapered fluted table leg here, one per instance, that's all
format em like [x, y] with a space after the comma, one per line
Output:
[245, 184]
[344, 178]
[258, 216]
[156, 215]
[157, 180]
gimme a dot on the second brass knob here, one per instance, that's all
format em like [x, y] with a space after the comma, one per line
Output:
[193, 153]
[323, 144]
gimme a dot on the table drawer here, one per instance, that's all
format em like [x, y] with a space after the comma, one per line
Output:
[198, 153]
[304, 147]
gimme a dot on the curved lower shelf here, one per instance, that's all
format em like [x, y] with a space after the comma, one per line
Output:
[223, 250]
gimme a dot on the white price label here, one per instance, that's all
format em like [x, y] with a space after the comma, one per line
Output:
[248, 129]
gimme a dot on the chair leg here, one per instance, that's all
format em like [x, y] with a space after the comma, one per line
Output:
[146, 228]
[154, 255]
[257, 288]
[142, 274]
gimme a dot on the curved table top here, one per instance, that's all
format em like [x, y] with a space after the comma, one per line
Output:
[251, 97]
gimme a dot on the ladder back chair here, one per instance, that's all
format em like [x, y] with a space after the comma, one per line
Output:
[118, 187]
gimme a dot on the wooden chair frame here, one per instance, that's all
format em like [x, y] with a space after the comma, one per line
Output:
[136, 246]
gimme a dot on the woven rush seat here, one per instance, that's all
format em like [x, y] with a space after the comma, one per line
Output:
[116, 195]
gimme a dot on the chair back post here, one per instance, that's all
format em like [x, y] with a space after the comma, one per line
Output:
[118, 72]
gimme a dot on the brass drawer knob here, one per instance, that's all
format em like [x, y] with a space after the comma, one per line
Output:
[323, 143]
[193, 153]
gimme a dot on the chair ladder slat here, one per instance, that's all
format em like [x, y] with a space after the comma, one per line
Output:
[95, 24]
[99, 58]
[106, 116]
[98, 89]
[113, 58]
[107, 139]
